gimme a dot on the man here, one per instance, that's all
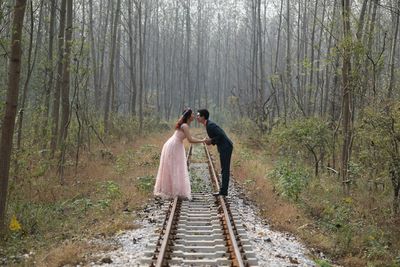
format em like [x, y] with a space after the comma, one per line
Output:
[218, 137]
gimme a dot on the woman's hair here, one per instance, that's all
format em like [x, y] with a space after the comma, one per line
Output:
[184, 118]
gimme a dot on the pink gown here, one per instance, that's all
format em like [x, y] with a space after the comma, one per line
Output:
[173, 176]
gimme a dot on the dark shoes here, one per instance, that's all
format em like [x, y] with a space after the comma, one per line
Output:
[219, 194]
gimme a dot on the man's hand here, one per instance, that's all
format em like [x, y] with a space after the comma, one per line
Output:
[207, 141]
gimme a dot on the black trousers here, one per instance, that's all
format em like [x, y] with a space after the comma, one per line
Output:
[225, 158]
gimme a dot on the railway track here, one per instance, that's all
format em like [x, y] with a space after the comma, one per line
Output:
[205, 231]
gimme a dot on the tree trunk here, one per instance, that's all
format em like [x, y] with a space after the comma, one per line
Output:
[145, 52]
[30, 69]
[111, 68]
[76, 93]
[132, 58]
[65, 106]
[320, 82]
[199, 50]
[327, 68]
[299, 71]
[187, 69]
[288, 75]
[157, 59]
[56, 100]
[140, 67]
[311, 86]
[261, 61]
[27, 79]
[370, 35]
[395, 31]
[298, 85]
[66, 75]
[102, 50]
[254, 47]
[7, 129]
[394, 170]
[303, 56]
[95, 67]
[117, 80]
[49, 69]
[346, 97]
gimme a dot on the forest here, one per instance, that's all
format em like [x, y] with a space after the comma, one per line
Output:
[309, 90]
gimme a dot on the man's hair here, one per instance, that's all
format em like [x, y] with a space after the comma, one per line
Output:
[204, 113]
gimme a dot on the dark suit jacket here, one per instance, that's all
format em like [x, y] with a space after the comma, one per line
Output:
[218, 137]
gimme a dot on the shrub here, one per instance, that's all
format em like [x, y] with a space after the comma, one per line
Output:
[290, 180]
[379, 145]
[337, 217]
[305, 138]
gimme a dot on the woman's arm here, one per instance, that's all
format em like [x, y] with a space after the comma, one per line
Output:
[189, 137]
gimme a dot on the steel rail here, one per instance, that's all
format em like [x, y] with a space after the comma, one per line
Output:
[164, 245]
[167, 233]
[237, 256]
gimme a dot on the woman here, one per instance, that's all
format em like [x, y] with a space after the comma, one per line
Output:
[173, 176]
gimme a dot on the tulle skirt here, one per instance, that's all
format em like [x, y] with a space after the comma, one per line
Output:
[173, 177]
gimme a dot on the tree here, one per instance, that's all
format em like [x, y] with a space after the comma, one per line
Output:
[31, 66]
[395, 31]
[288, 60]
[346, 95]
[95, 67]
[141, 65]
[111, 69]
[57, 90]
[7, 129]
[65, 107]
[49, 68]
[132, 59]
[188, 43]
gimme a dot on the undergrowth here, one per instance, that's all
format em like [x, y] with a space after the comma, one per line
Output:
[111, 181]
[359, 229]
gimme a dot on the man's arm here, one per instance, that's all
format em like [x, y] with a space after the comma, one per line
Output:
[217, 134]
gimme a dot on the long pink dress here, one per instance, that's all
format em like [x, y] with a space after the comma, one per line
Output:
[173, 176]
